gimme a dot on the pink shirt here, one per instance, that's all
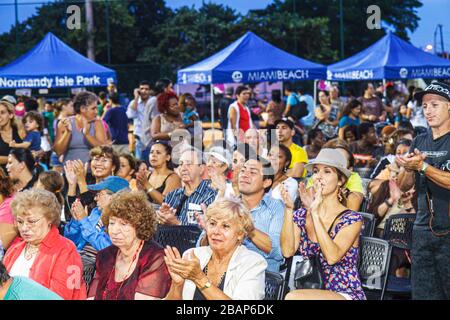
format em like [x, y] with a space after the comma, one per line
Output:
[5, 211]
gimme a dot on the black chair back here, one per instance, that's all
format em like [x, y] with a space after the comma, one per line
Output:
[373, 264]
[180, 237]
[398, 230]
[275, 286]
[369, 224]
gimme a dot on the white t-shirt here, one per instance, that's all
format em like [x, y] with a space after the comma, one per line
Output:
[291, 186]
[417, 117]
[22, 266]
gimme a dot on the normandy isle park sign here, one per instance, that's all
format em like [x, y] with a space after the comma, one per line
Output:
[54, 82]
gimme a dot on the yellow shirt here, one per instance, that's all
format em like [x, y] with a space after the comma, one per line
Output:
[298, 155]
[354, 183]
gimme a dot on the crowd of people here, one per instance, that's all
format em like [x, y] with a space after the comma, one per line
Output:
[87, 181]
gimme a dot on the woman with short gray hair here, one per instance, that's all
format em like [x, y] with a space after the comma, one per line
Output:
[43, 254]
[224, 269]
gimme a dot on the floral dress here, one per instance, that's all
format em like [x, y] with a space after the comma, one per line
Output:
[343, 276]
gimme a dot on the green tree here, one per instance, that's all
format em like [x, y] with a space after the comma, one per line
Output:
[401, 15]
[279, 28]
[52, 18]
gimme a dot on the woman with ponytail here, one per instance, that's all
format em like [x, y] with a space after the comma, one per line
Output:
[22, 169]
[53, 182]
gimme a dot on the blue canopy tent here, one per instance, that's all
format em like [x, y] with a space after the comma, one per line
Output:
[53, 64]
[250, 59]
[390, 58]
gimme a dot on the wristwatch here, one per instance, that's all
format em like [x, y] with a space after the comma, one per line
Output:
[206, 286]
[424, 167]
[388, 204]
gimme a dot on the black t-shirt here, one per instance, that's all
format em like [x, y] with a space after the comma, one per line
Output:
[5, 148]
[438, 156]
[223, 107]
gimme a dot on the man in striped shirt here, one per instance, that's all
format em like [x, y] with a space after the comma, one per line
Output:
[180, 205]
[255, 179]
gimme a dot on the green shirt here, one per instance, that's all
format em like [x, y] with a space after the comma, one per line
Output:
[23, 288]
[50, 118]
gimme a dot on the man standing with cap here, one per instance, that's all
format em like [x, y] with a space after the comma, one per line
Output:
[429, 165]
[285, 131]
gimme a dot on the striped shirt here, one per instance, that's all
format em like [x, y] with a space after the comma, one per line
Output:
[268, 218]
[203, 194]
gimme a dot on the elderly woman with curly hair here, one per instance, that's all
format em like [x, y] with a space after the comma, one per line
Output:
[225, 269]
[133, 267]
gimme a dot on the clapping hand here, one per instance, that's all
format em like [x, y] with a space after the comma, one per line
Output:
[78, 211]
[318, 199]
[80, 169]
[167, 215]
[412, 161]
[306, 195]
[171, 255]
[200, 217]
[289, 204]
[142, 180]
[218, 181]
[394, 191]
[183, 268]
[67, 124]
[70, 173]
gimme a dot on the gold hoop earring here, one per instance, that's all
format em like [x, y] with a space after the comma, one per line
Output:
[340, 196]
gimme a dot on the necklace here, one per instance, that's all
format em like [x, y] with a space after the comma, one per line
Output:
[122, 281]
[30, 251]
[221, 277]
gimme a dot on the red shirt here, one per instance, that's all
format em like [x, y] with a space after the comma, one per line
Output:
[244, 118]
[57, 266]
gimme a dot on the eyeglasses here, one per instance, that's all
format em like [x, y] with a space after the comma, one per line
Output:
[101, 160]
[103, 193]
[188, 164]
[30, 224]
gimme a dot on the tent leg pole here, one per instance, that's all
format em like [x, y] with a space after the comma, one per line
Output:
[212, 111]
[178, 90]
[315, 92]
[384, 88]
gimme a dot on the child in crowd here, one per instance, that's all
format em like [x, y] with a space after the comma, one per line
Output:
[190, 114]
[33, 123]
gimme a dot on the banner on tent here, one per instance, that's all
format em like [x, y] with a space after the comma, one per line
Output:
[390, 73]
[425, 73]
[55, 81]
[238, 76]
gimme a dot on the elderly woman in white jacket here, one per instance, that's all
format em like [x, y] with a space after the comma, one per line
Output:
[223, 270]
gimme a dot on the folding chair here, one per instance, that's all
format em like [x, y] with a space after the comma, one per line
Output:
[275, 286]
[180, 237]
[373, 264]
[369, 224]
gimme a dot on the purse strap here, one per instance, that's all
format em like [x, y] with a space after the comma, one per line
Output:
[335, 219]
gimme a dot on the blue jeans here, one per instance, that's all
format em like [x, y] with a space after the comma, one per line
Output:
[141, 152]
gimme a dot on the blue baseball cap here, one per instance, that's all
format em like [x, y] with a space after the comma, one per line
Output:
[112, 183]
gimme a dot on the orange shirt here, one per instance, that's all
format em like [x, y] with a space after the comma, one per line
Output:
[57, 266]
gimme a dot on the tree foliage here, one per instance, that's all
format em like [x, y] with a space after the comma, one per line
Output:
[147, 31]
